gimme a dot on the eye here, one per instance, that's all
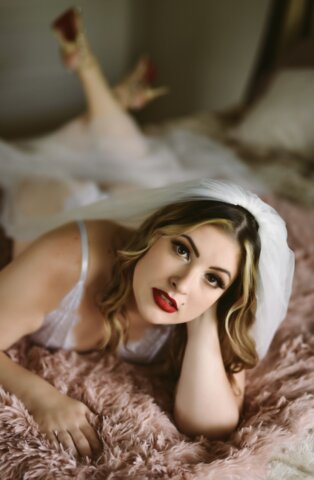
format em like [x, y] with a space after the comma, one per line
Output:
[181, 249]
[215, 281]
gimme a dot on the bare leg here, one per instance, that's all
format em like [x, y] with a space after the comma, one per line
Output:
[102, 102]
[106, 118]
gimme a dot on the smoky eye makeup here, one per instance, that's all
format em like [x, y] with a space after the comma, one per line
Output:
[180, 248]
[219, 282]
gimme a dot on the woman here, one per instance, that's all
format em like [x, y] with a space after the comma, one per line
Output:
[206, 278]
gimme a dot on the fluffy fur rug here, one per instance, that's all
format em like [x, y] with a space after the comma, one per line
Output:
[274, 438]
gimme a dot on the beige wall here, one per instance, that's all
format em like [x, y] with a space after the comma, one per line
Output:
[204, 49]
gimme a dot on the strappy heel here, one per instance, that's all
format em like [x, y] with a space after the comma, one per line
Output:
[136, 90]
[69, 31]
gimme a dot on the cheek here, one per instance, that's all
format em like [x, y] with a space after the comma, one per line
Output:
[137, 275]
[145, 269]
[154, 263]
[206, 298]
[145, 266]
[200, 299]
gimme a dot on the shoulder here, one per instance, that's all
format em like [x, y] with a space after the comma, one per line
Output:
[108, 232]
[104, 239]
[60, 250]
[52, 260]
[56, 257]
[35, 281]
[54, 250]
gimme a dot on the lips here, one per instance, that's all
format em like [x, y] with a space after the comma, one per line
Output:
[164, 301]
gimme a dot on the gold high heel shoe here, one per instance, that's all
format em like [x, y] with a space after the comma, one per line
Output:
[136, 90]
[69, 31]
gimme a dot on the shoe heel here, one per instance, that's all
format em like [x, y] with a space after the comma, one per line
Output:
[67, 25]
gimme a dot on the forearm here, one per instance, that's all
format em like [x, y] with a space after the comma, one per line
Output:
[27, 386]
[205, 402]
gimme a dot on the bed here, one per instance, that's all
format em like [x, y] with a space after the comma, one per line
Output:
[133, 406]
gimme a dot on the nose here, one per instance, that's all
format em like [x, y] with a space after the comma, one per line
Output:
[182, 282]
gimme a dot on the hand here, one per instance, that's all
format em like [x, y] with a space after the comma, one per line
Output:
[65, 422]
[205, 323]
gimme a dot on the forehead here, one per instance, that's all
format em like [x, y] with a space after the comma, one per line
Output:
[215, 235]
[215, 243]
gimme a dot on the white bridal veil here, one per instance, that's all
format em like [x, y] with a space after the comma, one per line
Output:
[276, 264]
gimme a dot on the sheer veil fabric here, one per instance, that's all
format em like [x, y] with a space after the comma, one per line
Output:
[276, 264]
[66, 168]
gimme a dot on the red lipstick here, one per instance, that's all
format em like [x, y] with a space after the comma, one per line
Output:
[164, 301]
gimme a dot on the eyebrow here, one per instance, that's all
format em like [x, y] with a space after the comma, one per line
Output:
[221, 270]
[197, 253]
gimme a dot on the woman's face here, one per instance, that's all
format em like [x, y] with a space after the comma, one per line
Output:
[180, 277]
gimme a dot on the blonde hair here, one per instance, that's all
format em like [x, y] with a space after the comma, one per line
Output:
[235, 308]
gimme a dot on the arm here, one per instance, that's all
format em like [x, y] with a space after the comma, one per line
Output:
[205, 402]
[27, 291]
[51, 410]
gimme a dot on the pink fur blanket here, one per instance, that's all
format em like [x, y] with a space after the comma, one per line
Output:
[134, 419]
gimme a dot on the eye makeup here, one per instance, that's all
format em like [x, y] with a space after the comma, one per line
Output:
[219, 281]
[182, 250]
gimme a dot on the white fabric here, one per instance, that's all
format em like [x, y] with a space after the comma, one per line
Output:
[80, 150]
[283, 118]
[146, 348]
[60, 170]
[276, 264]
[57, 328]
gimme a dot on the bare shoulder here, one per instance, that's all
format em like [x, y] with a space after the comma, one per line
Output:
[105, 238]
[58, 254]
[107, 232]
[59, 248]
[35, 281]
[39, 277]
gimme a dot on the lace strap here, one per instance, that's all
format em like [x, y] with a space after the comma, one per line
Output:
[84, 240]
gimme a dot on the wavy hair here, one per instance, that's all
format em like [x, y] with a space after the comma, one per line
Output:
[236, 308]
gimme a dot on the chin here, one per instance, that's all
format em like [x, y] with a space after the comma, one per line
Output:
[156, 319]
[154, 316]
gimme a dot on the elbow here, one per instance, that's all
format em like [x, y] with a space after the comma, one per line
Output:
[217, 428]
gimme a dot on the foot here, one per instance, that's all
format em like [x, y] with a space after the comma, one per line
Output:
[75, 51]
[136, 90]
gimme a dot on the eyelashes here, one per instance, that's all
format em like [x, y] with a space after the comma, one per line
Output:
[217, 280]
[183, 251]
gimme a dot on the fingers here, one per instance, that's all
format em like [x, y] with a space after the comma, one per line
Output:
[69, 425]
[74, 442]
[92, 437]
[78, 441]
[65, 439]
[81, 443]
[53, 439]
